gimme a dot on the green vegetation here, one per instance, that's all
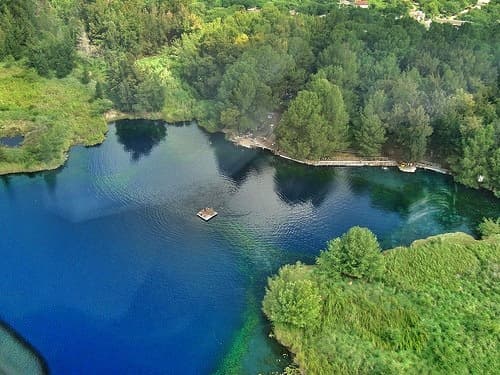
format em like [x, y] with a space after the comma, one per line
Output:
[52, 115]
[488, 14]
[315, 124]
[446, 7]
[433, 309]
[356, 255]
[366, 81]
[489, 227]
[232, 361]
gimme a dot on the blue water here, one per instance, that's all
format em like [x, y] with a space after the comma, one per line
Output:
[11, 141]
[106, 269]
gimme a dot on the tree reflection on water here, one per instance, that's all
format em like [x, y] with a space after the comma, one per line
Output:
[139, 137]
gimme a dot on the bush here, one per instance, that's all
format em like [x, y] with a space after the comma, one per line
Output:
[489, 227]
[294, 302]
[356, 254]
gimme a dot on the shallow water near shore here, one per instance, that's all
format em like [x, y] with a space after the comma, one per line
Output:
[107, 268]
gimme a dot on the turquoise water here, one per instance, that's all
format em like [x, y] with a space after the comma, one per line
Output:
[107, 269]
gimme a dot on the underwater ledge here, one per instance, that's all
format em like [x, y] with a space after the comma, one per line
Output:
[18, 356]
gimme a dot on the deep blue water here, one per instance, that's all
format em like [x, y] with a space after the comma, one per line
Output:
[106, 269]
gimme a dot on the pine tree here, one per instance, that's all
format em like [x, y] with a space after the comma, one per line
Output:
[478, 152]
[334, 113]
[370, 135]
[85, 79]
[63, 56]
[99, 92]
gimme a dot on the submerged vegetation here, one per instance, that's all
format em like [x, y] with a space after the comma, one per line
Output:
[17, 356]
[336, 79]
[431, 307]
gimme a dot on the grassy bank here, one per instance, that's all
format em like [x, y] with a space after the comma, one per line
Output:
[51, 114]
[433, 309]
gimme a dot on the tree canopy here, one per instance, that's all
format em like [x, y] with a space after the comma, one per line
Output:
[356, 254]
[370, 82]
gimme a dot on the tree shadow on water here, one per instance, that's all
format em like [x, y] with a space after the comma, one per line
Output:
[296, 184]
[235, 163]
[139, 137]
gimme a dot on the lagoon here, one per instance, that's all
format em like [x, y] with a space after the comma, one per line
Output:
[107, 269]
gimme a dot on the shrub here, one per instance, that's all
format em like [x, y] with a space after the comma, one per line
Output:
[356, 254]
[489, 227]
[294, 302]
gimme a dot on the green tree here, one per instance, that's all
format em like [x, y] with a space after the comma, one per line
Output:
[85, 78]
[150, 96]
[274, 69]
[39, 58]
[479, 151]
[303, 130]
[243, 97]
[489, 227]
[334, 113]
[99, 92]
[122, 82]
[370, 134]
[52, 53]
[292, 302]
[415, 136]
[63, 55]
[315, 124]
[356, 254]
[18, 20]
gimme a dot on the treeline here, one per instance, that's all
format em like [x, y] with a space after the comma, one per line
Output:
[46, 36]
[36, 31]
[364, 81]
[428, 308]
[127, 30]
[372, 82]
[136, 27]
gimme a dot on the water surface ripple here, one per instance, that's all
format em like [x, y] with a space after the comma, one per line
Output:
[106, 268]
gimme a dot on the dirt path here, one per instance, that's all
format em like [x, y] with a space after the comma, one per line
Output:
[344, 160]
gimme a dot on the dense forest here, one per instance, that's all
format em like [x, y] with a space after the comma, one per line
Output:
[368, 82]
[428, 308]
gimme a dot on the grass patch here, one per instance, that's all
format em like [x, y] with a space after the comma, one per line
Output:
[52, 115]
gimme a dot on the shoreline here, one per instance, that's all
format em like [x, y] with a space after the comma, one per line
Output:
[346, 161]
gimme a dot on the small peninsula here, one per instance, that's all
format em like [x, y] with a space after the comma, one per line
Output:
[430, 307]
